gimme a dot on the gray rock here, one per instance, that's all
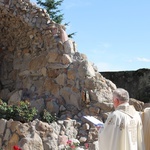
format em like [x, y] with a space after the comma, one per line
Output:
[2, 126]
[15, 98]
[33, 142]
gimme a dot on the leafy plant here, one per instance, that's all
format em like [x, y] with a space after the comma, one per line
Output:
[48, 117]
[21, 112]
[26, 112]
[52, 8]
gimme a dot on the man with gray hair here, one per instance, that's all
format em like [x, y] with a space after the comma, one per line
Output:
[123, 128]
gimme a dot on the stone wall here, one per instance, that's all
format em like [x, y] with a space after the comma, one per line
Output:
[39, 63]
[38, 135]
[136, 82]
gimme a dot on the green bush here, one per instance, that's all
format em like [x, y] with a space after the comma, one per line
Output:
[21, 112]
[47, 116]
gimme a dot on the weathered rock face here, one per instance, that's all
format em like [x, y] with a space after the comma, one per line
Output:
[38, 135]
[40, 64]
[27, 135]
[136, 82]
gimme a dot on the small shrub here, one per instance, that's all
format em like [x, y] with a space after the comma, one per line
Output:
[22, 112]
[25, 112]
[48, 117]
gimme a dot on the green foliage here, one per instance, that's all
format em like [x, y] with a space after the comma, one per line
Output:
[48, 117]
[21, 112]
[52, 8]
[55, 14]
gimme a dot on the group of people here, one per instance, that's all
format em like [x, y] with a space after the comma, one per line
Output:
[125, 128]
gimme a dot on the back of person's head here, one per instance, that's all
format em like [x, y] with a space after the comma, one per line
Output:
[121, 94]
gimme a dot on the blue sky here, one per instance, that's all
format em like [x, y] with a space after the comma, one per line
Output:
[114, 34]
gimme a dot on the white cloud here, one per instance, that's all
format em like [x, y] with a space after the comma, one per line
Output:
[143, 59]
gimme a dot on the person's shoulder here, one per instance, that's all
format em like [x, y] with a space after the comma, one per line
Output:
[113, 117]
[116, 114]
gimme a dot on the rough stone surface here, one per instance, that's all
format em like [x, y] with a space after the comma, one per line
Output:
[136, 82]
[38, 135]
[39, 63]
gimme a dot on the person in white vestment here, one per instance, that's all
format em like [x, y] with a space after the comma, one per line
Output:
[123, 128]
[146, 127]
